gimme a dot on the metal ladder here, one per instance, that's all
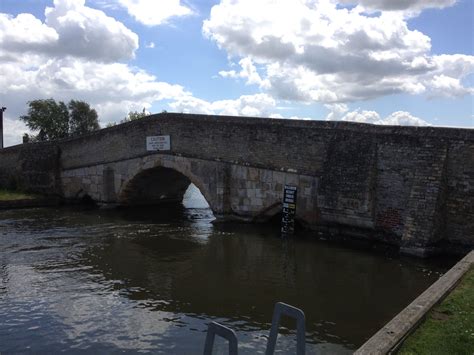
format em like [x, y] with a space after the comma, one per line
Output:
[279, 310]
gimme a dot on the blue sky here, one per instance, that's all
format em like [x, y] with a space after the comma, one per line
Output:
[372, 61]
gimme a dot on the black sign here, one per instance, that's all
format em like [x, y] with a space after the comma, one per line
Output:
[289, 210]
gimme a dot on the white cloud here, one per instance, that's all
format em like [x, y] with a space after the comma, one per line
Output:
[246, 105]
[150, 45]
[248, 72]
[337, 111]
[13, 131]
[70, 29]
[114, 112]
[312, 50]
[442, 85]
[25, 32]
[402, 118]
[263, 105]
[89, 33]
[363, 116]
[155, 12]
[73, 54]
[398, 118]
[95, 82]
[411, 7]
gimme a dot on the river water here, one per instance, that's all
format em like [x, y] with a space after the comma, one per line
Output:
[150, 280]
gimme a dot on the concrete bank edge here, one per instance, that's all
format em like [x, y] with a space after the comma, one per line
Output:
[395, 331]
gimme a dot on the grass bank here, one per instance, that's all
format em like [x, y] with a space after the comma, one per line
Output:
[8, 195]
[449, 327]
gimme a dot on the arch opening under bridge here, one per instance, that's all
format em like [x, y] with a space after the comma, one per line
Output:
[162, 185]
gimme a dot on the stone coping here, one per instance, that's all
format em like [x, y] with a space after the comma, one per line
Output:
[394, 332]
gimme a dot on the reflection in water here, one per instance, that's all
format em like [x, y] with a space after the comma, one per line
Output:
[152, 279]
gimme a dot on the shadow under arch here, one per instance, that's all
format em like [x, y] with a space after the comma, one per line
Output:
[158, 185]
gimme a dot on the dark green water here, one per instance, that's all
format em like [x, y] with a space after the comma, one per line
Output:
[107, 281]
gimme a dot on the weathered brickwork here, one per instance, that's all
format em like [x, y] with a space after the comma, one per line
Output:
[423, 225]
[459, 201]
[409, 186]
[393, 185]
[257, 193]
[31, 167]
[346, 193]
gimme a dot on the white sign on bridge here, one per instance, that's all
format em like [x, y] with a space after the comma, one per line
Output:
[158, 143]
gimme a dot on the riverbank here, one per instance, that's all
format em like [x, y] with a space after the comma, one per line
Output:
[17, 199]
[449, 327]
[9, 195]
[393, 334]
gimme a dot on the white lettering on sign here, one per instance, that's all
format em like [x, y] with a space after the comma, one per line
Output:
[158, 143]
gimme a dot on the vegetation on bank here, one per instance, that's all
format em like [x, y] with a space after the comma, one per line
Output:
[449, 327]
[9, 195]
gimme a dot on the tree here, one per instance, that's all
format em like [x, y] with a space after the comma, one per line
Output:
[55, 120]
[48, 117]
[135, 115]
[82, 118]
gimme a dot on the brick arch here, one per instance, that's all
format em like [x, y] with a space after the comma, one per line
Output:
[175, 174]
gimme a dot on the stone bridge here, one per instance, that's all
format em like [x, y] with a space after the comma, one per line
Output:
[413, 187]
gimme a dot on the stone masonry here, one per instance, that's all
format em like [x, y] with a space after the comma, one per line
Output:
[408, 186]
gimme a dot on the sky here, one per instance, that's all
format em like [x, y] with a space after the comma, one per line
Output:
[395, 62]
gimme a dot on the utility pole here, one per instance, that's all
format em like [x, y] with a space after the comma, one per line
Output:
[1, 126]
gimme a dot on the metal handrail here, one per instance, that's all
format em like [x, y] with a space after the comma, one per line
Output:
[280, 309]
[293, 312]
[226, 333]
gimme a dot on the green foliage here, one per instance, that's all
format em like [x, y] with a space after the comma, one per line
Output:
[131, 116]
[82, 118]
[48, 117]
[29, 139]
[8, 195]
[449, 327]
[55, 120]
[134, 115]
